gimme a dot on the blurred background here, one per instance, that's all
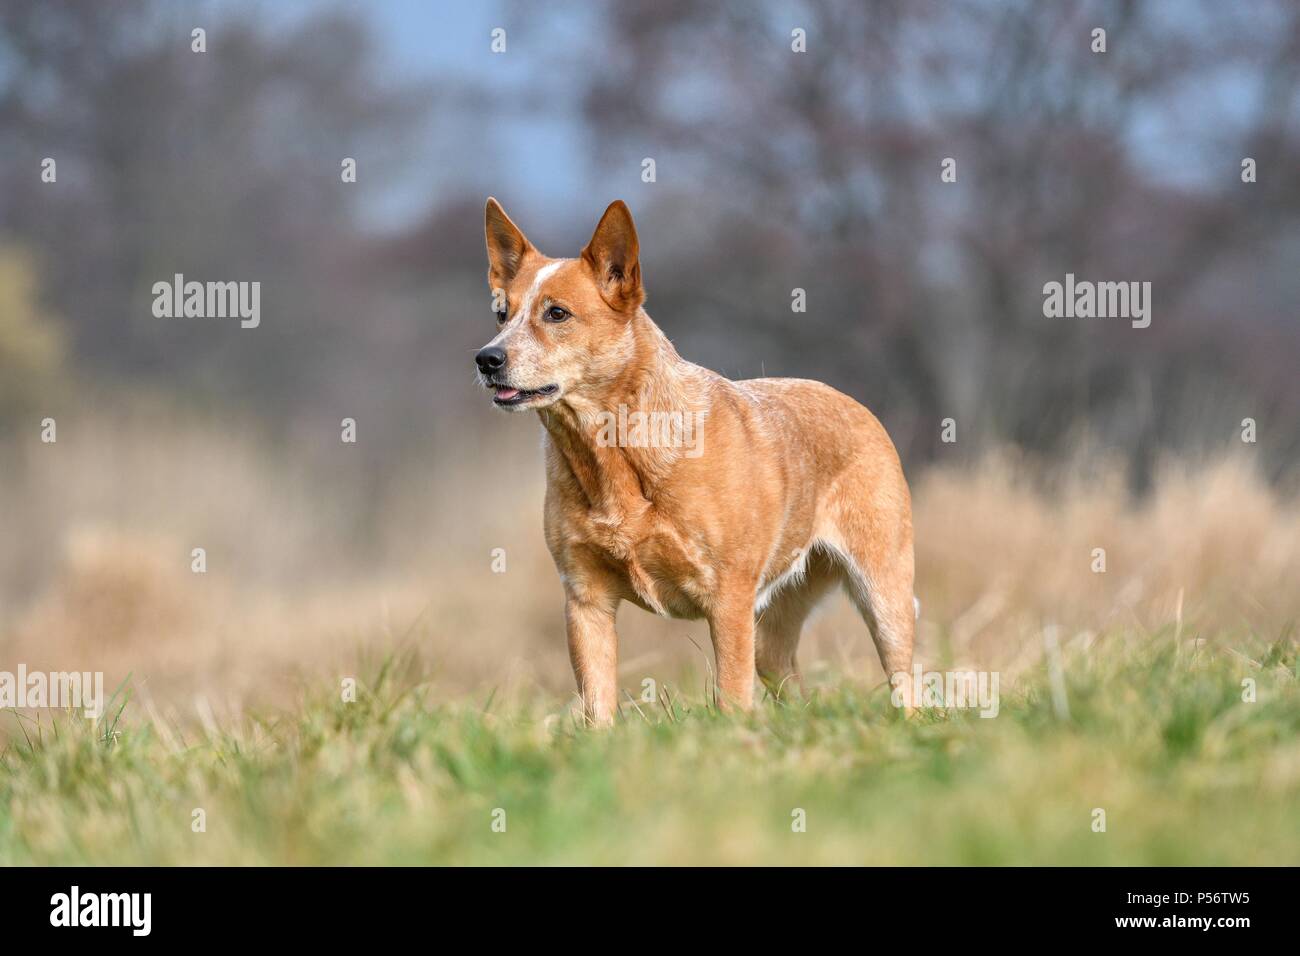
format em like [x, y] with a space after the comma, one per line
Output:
[775, 170]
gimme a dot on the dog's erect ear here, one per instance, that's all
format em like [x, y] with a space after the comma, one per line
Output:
[506, 245]
[614, 256]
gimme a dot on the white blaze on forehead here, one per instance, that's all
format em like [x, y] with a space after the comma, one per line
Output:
[530, 297]
[520, 314]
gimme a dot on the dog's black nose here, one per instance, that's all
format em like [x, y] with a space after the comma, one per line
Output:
[490, 359]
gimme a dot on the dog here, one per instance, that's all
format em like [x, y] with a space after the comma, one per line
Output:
[787, 488]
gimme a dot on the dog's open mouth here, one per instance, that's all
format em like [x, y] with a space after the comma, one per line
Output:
[518, 396]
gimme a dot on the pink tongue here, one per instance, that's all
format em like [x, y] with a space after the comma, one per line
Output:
[505, 394]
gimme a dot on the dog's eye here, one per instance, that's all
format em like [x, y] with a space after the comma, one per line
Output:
[501, 317]
[557, 314]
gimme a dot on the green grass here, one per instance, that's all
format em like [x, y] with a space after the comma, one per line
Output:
[1157, 735]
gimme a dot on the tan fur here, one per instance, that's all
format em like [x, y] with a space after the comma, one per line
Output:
[797, 489]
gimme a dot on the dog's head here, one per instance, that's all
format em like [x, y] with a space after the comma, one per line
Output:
[563, 325]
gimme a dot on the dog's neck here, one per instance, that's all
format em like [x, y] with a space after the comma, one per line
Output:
[618, 478]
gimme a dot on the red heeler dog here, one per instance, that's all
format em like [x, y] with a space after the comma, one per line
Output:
[688, 494]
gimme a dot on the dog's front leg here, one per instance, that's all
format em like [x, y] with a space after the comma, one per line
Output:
[731, 626]
[593, 650]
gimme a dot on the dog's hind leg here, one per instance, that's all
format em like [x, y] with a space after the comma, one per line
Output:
[879, 570]
[780, 624]
[889, 613]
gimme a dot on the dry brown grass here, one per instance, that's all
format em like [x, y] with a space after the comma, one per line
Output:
[95, 565]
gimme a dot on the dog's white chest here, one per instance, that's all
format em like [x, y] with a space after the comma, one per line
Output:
[662, 567]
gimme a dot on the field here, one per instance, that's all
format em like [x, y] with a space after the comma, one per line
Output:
[1157, 736]
[1161, 691]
